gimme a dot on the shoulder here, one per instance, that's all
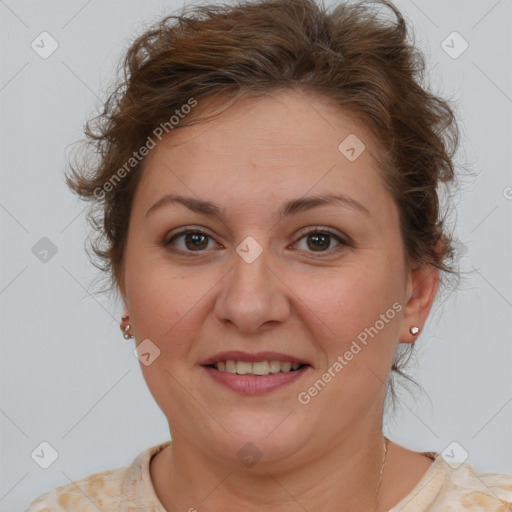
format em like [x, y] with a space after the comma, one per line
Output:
[120, 489]
[475, 490]
[84, 495]
[447, 488]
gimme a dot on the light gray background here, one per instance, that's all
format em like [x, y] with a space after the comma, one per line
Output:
[67, 375]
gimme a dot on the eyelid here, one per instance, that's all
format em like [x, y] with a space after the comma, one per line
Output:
[344, 241]
[183, 230]
[322, 229]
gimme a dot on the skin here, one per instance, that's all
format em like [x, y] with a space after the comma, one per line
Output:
[294, 298]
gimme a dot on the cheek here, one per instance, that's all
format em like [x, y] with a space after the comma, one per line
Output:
[354, 314]
[356, 328]
[158, 298]
[350, 298]
[165, 308]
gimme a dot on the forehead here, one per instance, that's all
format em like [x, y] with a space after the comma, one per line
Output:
[283, 145]
[283, 126]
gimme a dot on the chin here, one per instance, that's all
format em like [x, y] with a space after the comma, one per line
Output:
[267, 440]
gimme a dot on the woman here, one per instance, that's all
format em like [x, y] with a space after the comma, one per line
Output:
[267, 191]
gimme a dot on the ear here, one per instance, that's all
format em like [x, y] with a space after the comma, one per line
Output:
[422, 285]
[119, 280]
[126, 312]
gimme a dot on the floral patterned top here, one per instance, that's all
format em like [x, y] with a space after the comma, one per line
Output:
[130, 489]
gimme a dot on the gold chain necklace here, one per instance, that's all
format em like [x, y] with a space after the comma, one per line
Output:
[386, 440]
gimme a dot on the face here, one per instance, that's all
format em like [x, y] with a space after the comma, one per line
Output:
[307, 281]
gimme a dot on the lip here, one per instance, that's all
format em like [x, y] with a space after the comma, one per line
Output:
[237, 355]
[255, 384]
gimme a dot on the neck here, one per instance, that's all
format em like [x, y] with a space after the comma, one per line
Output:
[341, 476]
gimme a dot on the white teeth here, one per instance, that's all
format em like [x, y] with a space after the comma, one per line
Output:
[230, 366]
[257, 368]
[260, 368]
[275, 367]
[242, 367]
[286, 367]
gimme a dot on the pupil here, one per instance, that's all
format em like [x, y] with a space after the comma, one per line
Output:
[318, 239]
[196, 240]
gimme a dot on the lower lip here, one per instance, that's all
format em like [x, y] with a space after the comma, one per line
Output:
[255, 384]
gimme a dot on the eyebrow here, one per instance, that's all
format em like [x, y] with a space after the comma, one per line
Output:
[292, 207]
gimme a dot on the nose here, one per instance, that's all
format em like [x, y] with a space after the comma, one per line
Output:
[252, 297]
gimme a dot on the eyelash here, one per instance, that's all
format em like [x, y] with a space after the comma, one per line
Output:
[316, 230]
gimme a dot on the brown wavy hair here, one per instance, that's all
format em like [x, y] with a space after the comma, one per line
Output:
[350, 54]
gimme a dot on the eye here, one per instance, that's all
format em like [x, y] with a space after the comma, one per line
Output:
[320, 240]
[192, 240]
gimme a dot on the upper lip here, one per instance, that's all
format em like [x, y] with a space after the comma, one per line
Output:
[237, 355]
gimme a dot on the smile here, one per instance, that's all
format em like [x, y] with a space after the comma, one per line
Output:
[249, 381]
[256, 368]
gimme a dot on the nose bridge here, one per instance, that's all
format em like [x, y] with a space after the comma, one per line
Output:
[250, 271]
[251, 296]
